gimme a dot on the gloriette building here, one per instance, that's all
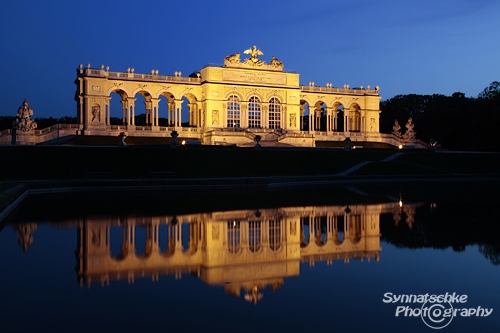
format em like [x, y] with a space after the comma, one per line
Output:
[229, 104]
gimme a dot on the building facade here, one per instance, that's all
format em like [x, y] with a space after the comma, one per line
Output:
[242, 250]
[229, 104]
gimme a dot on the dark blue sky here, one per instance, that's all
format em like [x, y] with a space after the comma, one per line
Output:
[414, 46]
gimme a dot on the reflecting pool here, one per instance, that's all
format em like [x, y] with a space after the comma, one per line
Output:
[398, 261]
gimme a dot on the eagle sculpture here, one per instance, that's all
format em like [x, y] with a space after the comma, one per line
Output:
[254, 53]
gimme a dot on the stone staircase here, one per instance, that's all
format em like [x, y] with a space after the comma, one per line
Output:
[268, 140]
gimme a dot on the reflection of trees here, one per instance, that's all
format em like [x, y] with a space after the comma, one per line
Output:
[448, 225]
[491, 252]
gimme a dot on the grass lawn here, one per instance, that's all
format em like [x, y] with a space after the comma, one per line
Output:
[421, 162]
[149, 161]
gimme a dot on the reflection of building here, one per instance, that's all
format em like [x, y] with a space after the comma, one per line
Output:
[228, 104]
[240, 249]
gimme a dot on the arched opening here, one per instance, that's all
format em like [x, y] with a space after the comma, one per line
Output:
[115, 241]
[275, 235]
[164, 237]
[233, 236]
[304, 231]
[190, 114]
[304, 116]
[142, 108]
[141, 241]
[166, 108]
[339, 230]
[340, 118]
[320, 227]
[319, 114]
[354, 228]
[162, 111]
[254, 112]
[185, 236]
[233, 115]
[354, 118]
[173, 235]
[274, 113]
[194, 232]
[122, 239]
[117, 108]
[254, 236]
[185, 113]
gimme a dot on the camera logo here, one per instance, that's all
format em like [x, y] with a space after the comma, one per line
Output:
[437, 315]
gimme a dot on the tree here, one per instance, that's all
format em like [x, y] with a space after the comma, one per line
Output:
[67, 120]
[6, 122]
[491, 92]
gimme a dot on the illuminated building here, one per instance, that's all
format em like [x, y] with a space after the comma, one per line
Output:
[229, 104]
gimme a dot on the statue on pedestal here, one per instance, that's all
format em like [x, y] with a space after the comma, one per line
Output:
[410, 133]
[23, 121]
[396, 129]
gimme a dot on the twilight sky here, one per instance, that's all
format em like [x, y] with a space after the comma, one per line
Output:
[403, 46]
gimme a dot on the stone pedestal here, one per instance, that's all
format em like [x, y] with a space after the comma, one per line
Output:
[23, 138]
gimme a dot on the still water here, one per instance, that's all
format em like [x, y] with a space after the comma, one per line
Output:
[391, 262]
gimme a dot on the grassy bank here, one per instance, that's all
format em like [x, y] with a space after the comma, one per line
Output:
[138, 162]
[67, 162]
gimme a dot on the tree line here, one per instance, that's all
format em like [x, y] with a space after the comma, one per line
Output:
[456, 122]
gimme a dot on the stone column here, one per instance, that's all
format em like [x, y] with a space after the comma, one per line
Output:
[155, 104]
[190, 113]
[244, 235]
[312, 110]
[301, 117]
[170, 113]
[346, 120]
[198, 114]
[149, 107]
[128, 238]
[283, 119]
[311, 228]
[156, 235]
[264, 115]
[108, 111]
[318, 120]
[124, 111]
[178, 113]
[243, 115]
[328, 124]
[265, 234]
[346, 226]
[178, 237]
[330, 227]
[131, 111]
[80, 111]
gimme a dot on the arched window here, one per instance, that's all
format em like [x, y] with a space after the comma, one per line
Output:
[274, 113]
[355, 228]
[254, 112]
[233, 236]
[233, 111]
[275, 234]
[254, 236]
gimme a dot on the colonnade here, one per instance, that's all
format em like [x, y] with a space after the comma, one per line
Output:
[173, 114]
[152, 237]
[331, 228]
[352, 120]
